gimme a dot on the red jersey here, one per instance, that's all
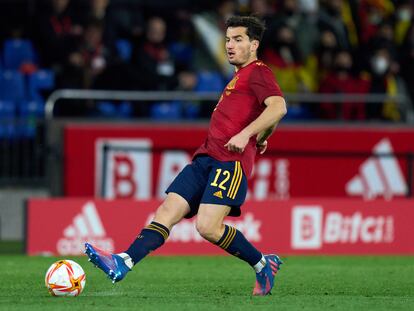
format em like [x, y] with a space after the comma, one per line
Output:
[240, 104]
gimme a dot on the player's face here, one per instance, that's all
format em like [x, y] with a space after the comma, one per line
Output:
[240, 49]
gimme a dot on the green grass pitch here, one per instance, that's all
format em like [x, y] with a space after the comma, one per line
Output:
[218, 283]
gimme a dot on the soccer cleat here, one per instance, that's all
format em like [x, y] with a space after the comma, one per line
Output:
[265, 278]
[113, 265]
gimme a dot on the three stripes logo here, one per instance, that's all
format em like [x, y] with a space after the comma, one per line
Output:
[235, 181]
[231, 233]
[379, 175]
[86, 226]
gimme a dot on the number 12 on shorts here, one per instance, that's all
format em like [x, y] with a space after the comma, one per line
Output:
[223, 176]
[226, 175]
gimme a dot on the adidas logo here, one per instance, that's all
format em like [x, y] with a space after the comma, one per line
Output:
[218, 194]
[379, 175]
[86, 226]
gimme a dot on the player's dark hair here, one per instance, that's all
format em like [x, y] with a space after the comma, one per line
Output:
[255, 27]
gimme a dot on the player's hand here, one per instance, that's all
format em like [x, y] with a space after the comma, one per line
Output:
[237, 143]
[262, 146]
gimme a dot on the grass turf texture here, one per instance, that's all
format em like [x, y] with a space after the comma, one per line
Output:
[218, 283]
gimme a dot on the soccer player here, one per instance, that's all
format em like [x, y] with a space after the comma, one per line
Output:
[214, 185]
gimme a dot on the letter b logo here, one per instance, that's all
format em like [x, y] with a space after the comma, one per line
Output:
[306, 227]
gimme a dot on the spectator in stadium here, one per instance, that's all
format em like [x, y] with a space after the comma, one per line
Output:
[183, 43]
[152, 60]
[371, 15]
[308, 6]
[225, 9]
[214, 185]
[304, 26]
[341, 80]
[58, 31]
[383, 65]
[385, 80]
[403, 20]
[384, 38]
[84, 64]
[120, 20]
[97, 10]
[407, 62]
[285, 60]
[324, 54]
[330, 18]
[265, 11]
[88, 60]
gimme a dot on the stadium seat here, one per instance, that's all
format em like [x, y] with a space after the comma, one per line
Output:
[7, 119]
[182, 53]
[32, 108]
[124, 49]
[209, 81]
[166, 111]
[298, 112]
[30, 112]
[114, 110]
[17, 52]
[12, 86]
[125, 109]
[41, 80]
[106, 109]
[7, 109]
[191, 110]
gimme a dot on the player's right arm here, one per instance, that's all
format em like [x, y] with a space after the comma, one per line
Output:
[261, 139]
[269, 118]
[265, 134]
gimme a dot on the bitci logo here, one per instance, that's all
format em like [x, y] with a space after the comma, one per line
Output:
[312, 228]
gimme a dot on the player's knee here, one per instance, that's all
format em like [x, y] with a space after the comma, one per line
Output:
[207, 231]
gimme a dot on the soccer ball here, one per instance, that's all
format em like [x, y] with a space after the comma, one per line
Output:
[65, 278]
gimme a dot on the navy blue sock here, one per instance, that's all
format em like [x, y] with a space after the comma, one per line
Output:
[234, 242]
[150, 238]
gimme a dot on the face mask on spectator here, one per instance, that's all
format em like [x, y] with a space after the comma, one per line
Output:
[309, 6]
[379, 65]
[404, 14]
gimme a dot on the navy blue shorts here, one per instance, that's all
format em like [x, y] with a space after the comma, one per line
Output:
[207, 180]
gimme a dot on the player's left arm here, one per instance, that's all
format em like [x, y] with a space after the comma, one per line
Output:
[263, 126]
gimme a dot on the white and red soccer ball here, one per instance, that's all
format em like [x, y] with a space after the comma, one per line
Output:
[65, 278]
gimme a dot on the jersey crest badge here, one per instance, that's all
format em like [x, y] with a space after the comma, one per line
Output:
[232, 84]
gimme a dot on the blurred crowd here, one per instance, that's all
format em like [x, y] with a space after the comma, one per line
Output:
[326, 46]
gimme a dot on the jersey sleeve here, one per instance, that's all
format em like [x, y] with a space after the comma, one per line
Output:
[263, 83]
